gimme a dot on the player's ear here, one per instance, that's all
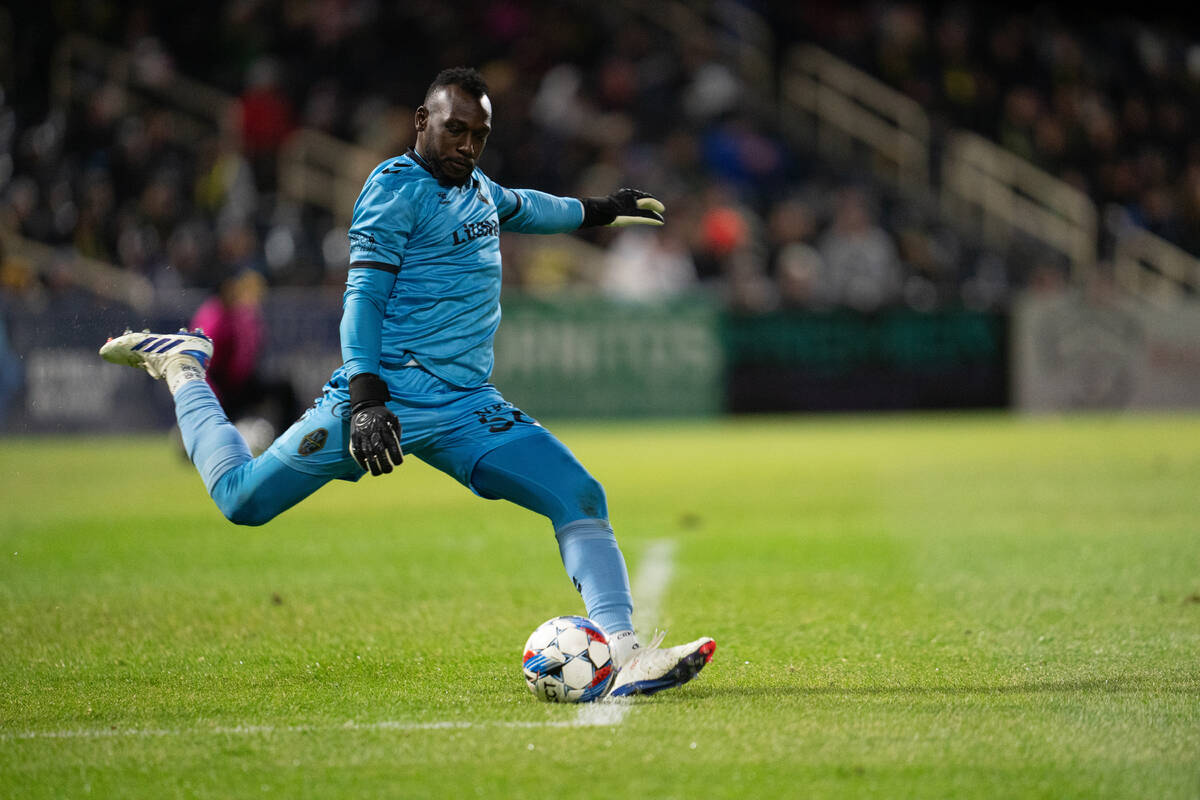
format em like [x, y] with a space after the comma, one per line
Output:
[421, 118]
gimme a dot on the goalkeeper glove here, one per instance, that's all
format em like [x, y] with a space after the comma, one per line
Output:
[625, 207]
[374, 430]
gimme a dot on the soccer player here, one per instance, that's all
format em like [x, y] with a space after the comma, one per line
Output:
[421, 307]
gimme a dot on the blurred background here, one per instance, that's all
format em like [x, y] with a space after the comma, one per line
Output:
[883, 206]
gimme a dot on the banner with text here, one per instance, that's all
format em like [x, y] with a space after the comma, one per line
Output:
[565, 358]
[1074, 353]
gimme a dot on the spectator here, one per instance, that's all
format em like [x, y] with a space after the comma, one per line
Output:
[723, 229]
[643, 266]
[265, 118]
[233, 319]
[797, 266]
[860, 255]
[11, 372]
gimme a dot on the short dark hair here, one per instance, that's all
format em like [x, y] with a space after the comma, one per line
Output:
[466, 77]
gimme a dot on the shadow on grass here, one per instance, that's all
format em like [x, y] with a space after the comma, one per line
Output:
[1100, 686]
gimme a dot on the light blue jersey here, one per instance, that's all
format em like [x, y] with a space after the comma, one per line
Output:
[422, 305]
[425, 273]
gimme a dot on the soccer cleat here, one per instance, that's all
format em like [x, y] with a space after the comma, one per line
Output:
[652, 669]
[152, 351]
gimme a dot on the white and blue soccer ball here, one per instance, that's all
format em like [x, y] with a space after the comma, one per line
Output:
[567, 660]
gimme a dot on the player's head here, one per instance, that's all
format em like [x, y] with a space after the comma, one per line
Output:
[454, 122]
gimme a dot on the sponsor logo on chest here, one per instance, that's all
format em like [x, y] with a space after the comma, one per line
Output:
[469, 231]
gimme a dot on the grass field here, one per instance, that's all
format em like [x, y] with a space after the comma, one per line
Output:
[929, 606]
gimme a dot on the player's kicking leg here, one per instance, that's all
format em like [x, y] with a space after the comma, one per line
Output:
[540, 473]
[247, 490]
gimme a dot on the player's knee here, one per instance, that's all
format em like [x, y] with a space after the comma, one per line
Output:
[248, 513]
[243, 508]
[589, 498]
[248, 500]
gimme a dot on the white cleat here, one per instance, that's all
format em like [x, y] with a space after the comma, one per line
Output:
[652, 669]
[152, 351]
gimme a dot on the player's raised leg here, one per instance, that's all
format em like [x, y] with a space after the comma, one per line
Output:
[541, 474]
[247, 490]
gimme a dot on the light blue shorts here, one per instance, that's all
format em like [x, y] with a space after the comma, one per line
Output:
[445, 426]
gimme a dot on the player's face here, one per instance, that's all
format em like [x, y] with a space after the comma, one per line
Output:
[452, 129]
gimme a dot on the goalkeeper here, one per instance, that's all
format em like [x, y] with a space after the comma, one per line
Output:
[420, 310]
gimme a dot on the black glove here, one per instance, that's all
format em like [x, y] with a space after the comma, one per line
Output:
[374, 431]
[625, 207]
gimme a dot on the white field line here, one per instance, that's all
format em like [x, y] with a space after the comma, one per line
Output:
[649, 587]
[256, 730]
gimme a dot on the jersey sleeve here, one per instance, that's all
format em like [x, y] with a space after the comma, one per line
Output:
[383, 219]
[530, 211]
[382, 222]
[363, 307]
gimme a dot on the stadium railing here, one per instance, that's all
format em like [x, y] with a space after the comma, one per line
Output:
[80, 63]
[325, 171]
[1012, 193]
[1149, 266]
[100, 278]
[848, 106]
[982, 184]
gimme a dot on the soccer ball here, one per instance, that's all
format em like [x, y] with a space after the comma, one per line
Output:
[567, 660]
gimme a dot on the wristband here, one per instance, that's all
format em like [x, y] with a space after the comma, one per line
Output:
[367, 389]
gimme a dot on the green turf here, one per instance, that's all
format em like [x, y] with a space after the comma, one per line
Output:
[936, 606]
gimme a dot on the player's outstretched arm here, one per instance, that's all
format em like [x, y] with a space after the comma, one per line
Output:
[623, 207]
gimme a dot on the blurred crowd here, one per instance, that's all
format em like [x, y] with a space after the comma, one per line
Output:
[588, 98]
[1104, 97]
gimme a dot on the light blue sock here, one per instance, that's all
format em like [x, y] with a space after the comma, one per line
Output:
[211, 441]
[596, 567]
[247, 490]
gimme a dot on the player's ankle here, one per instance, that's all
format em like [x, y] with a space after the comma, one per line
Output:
[622, 645]
[181, 370]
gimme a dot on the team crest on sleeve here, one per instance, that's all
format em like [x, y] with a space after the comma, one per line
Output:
[363, 242]
[313, 441]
